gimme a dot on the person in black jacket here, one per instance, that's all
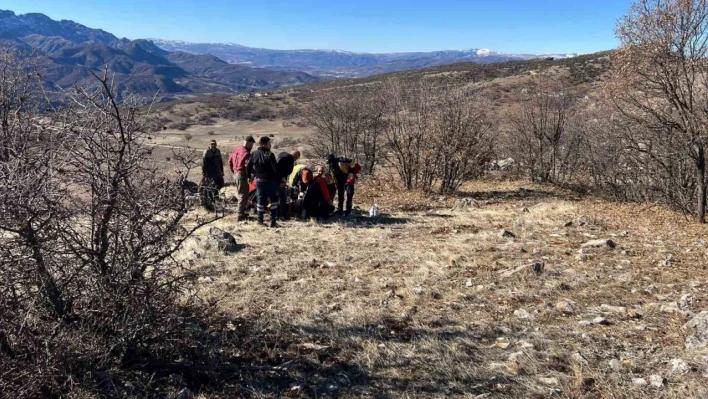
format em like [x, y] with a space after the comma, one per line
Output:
[213, 165]
[263, 166]
[286, 163]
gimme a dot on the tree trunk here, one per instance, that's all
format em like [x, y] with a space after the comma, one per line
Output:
[701, 182]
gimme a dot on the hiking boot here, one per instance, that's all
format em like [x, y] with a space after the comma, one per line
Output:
[274, 224]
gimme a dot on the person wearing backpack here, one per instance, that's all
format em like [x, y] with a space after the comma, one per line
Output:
[345, 172]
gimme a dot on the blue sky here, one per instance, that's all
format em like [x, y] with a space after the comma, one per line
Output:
[513, 26]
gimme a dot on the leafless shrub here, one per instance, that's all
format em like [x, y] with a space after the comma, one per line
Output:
[91, 292]
[660, 82]
[543, 139]
[348, 124]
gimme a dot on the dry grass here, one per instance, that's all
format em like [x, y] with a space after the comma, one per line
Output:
[425, 303]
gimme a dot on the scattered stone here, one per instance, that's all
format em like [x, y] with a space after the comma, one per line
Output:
[601, 321]
[507, 234]
[657, 381]
[614, 309]
[666, 263]
[419, 291]
[525, 345]
[699, 325]
[502, 345]
[585, 323]
[615, 364]
[205, 280]
[604, 243]
[502, 330]
[469, 283]
[565, 307]
[222, 240]
[569, 224]
[686, 302]
[526, 210]
[678, 366]
[639, 381]
[522, 314]
[549, 381]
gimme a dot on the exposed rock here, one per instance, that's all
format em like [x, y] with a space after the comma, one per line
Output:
[678, 366]
[604, 243]
[522, 314]
[614, 309]
[222, 240]
[686, 302]
[549, 381]
[657, 381]
[699, 325]
[506, 234]
[615, 364]
[565, 307]
[465, 204]
[639, 381]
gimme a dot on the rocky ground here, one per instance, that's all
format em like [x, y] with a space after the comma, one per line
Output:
[519, 291]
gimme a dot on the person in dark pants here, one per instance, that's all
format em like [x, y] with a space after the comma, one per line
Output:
[263, 166]
[316, 200]
[237, 164]
[344, 172]
[213, 165]
[286, 163]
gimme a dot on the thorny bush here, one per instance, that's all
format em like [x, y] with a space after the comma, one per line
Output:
[91, 293]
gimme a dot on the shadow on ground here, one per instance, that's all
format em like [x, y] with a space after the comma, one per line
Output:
[314, 361]
[266, 358]
[520, 194]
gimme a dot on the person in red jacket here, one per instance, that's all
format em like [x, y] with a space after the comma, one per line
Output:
[237, 163]
[316, 201]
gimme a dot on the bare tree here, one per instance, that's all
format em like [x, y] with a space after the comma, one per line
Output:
[347, 124]
[542, 139]
[660, 78]
[461, 139]
[408, 113]
[88, 229]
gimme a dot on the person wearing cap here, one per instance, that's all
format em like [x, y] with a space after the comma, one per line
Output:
[345, 173]
[213, 165]
[237, 163]
[263, 166]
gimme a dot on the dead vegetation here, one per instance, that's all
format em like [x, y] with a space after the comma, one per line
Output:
[438, 303]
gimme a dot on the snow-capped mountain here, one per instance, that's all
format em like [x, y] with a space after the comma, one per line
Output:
[341, 63]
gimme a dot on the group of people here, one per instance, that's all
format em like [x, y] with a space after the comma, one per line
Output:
[281, 185]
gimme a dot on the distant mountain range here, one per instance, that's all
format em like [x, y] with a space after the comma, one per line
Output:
[67, 52]
[342, 64]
